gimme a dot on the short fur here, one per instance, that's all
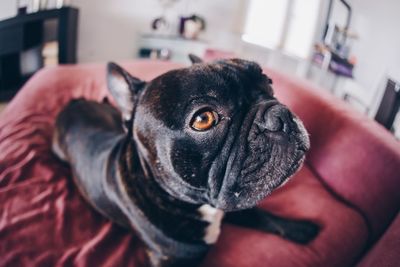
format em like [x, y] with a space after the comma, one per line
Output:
[145, 167]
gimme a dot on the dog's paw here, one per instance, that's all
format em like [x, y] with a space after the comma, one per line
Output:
[301, 232]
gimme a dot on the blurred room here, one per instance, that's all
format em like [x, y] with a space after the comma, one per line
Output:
[335, 63]
[284, 35]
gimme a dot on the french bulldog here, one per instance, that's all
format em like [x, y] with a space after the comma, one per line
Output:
[182, 152]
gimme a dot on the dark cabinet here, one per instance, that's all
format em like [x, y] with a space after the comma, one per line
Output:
[23, 40]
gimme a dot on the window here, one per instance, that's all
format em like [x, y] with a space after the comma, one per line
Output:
[287, 25]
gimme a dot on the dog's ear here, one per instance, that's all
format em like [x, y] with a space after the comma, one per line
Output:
[124, 88]
[195, 59]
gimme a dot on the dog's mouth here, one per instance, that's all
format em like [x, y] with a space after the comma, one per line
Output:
[268, 150]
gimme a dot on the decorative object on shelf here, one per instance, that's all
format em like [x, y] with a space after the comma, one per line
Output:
[51, 4]
[43, 4]
[190, 27]
[160, 24]
[169, 47]
[62, 3]
[163, 24]
[155, 53]
[22, 7]
[50, 54]
[331, 59]
[32, 6]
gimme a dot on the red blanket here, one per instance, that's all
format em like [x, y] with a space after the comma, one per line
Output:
[44, 221]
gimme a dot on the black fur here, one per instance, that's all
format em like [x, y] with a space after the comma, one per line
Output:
[150, 170]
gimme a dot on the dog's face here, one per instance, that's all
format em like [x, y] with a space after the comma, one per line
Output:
[211, 133]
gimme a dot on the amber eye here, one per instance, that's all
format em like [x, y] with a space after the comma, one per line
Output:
[203, 120]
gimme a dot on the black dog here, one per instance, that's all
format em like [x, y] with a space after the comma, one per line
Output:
[191, 145]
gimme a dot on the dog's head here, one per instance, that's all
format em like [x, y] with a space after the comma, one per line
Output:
[211, 133]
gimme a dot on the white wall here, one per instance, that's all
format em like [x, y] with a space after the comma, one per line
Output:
[378, 49]
[108, 29]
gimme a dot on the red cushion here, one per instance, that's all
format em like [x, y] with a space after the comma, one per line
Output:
[355, 156]
[340, 242]
[385, 252]
[44, 221]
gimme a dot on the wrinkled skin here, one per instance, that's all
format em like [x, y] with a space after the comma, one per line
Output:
[255, 147]
[147, 167]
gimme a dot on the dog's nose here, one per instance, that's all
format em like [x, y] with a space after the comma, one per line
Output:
[277, 119]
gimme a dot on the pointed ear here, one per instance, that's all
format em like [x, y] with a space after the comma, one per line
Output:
[195, 59]
[124, 88]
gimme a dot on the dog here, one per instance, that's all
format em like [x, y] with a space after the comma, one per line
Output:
[182, 152]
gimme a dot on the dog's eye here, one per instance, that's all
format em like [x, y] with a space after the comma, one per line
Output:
[203, 120]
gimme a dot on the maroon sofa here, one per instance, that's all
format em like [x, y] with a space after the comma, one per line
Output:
[350, 185]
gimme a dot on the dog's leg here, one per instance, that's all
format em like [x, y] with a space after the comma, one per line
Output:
[295, 230]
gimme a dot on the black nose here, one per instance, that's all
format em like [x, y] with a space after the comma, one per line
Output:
[277, 119]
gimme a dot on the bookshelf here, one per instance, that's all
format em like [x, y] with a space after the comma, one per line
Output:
[32, 41]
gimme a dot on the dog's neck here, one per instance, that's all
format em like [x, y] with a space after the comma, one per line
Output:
[179, 220]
